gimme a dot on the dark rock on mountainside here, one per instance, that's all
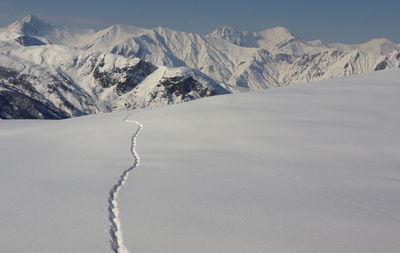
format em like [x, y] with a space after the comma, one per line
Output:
[124, 79]
[185, 88]
[133, 76]
[279, 58]
[54, 95]
[34, 26]
[19, 98]
[14, 105]
[29, 41]
[381, 66]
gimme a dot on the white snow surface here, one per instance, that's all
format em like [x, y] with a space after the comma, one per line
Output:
[309, 168]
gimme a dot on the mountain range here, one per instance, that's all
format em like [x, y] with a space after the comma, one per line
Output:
[56, 72]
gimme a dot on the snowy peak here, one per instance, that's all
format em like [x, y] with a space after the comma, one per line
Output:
[28, 31]
[277, 34]
[233, 35]
[120, 29]
[277, 40]
[375, 47]
[224, 31]
[272, 36]
[32, 26]
[110, 38]
[378, 46]
[34, 31]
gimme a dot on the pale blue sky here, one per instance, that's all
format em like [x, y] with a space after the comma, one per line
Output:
[350, 21]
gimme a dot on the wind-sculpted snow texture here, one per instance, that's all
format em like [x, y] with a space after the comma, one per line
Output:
[51, 72]
[117, 240]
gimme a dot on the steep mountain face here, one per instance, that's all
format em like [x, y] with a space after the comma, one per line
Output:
[52, 72]
[29, 31]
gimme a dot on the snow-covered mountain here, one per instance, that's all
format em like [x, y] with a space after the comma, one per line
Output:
[43, 76]
[48, 71]
[55, 81]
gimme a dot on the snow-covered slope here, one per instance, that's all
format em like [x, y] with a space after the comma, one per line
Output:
[308, 169]
[226, 60]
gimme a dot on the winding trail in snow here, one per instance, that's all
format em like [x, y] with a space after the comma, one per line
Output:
[117, 242]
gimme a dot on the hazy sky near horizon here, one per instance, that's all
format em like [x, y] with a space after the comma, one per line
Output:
[350, 21]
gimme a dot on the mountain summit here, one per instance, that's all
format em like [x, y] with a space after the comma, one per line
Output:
[28, 31]
[267, 39]
[276, 39]
[32, 26]
[235, 36]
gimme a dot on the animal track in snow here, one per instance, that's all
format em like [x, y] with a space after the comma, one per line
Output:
[117, 242]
